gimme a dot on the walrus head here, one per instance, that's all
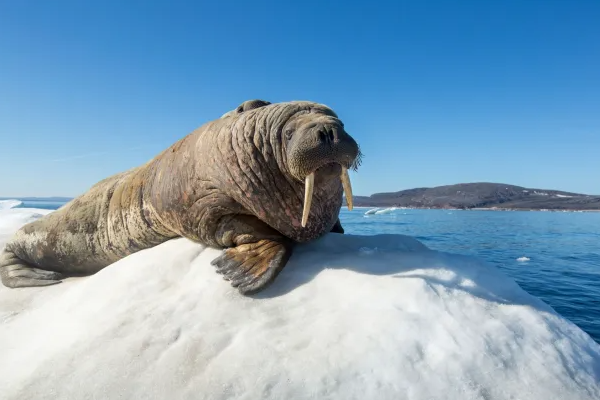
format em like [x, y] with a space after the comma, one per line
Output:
[317, 143]
[309, 146]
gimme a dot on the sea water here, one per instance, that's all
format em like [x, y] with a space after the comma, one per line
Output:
[552, 255]
[45, 205]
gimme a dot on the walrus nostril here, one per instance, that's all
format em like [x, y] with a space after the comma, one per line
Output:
[323, 136]
[330, 135]
[327, 135]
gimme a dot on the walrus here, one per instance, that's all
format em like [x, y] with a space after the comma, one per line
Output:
[254, 183]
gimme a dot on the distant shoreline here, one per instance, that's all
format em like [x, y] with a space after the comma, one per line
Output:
[468, 209]
[476, 196]
[362, 207]
[488, 196]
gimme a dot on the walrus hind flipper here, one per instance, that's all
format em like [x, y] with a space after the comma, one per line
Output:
[15, 273]
[254, 266]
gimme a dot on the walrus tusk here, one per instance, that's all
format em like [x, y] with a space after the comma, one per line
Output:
[347, 187]
[309, 185]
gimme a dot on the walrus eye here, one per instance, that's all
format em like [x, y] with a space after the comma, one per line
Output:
[288, 134]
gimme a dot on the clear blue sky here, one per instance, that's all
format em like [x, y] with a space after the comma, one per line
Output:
[435, 92]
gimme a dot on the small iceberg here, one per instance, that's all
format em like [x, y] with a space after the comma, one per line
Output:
[523, 259]
[386, 210]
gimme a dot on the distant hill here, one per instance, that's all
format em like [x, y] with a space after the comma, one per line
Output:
[462, 195]
[481, 195]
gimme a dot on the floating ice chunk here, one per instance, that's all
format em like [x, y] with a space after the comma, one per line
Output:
[386, 210]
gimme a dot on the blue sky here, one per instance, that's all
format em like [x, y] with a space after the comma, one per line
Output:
[435, 92]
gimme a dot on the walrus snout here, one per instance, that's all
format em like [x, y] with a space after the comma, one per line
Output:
[317, 142]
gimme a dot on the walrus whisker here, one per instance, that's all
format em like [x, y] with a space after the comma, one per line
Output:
[357, 161]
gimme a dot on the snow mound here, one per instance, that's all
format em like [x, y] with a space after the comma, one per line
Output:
[6, 204]
[339, 323]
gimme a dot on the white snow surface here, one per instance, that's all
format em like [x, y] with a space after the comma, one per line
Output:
[6, 204]
[396, 322]
[13, 218]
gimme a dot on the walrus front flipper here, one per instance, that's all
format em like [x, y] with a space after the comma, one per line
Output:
[252, 267]
[15, 273]
[254, 252]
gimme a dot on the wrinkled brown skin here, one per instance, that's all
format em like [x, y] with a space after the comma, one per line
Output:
[234, 183]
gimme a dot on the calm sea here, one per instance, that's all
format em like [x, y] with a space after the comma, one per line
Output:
[45, 205]
[552, 255]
